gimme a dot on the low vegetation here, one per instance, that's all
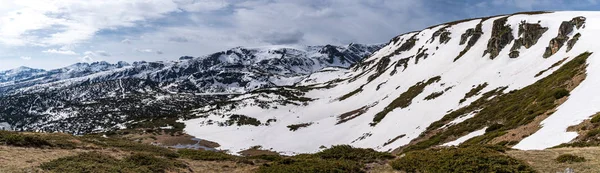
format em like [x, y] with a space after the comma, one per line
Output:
[341, 158]
[512, 109]
[405, 99]
[350, 94]
[569, 158]
[467, 159]
[205, 155]
[22, 140]
[295, 127]
[345, 117]
[241, 120]
[99, 162]
[556, 64]
[473, 92]
[434, 95]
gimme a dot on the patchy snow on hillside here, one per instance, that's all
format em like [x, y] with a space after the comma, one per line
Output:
[372, 86]
[465, 138]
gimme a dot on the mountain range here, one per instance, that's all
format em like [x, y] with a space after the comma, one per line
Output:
[525, 80]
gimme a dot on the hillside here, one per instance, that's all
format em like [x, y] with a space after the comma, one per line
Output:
[507, 93]
[517, 80]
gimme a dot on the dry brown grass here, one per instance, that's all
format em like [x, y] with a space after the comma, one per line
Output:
[17, 159]
[543, 160]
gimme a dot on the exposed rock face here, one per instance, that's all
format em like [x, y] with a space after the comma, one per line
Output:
[443, 33]
[409, 44]
[473, 34]
[529, 34]
[421, 53]
[501, 36]
[572, 41]
[513, 54]
[566, 27]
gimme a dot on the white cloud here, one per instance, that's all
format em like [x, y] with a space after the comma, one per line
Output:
[25, 57]
[126, 41]
[159, 52]
[57, 23]
[96, 53]
[60, 51]
[201, 5]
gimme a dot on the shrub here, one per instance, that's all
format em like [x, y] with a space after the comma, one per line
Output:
[347, 152]
[470, 159]
[241, 120]
[129, 146]
[405, 99]
[311, 165]
[85, 162]
[592, 133]
[152, 164]
[494, 127]
[98, 162]
[560, 93]
[350, 94]
[434, 95]
[22, 140]
[205, 155]
[569, 158]
[596, 118]
[295, 127]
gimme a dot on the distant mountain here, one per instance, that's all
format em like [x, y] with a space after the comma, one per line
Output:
[87, 97]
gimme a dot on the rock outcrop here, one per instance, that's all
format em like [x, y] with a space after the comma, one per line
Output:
[529, 34]
[566, 27]
[501, 36]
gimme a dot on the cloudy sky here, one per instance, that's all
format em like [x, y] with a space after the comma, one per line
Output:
[54, 33]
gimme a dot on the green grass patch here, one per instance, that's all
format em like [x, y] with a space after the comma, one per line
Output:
[434, 95]
[596, 118]
[98, 162]
[22, 140]
[342, 158]
[206, 155]
[347, 152]
[311, 165]
[350, 94]
[473, 92]
[405, 99]
[241, 120]
[128, 145]
[469, 159]
[569, 158]
[295, 127]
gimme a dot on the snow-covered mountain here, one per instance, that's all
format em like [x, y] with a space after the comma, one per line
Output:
[518, 80]
[86, 97]
[525, 80]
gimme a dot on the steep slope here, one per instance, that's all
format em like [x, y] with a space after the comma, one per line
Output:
[423, 85]
[100, 96]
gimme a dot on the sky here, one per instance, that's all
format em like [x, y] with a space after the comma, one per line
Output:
[51, 34]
